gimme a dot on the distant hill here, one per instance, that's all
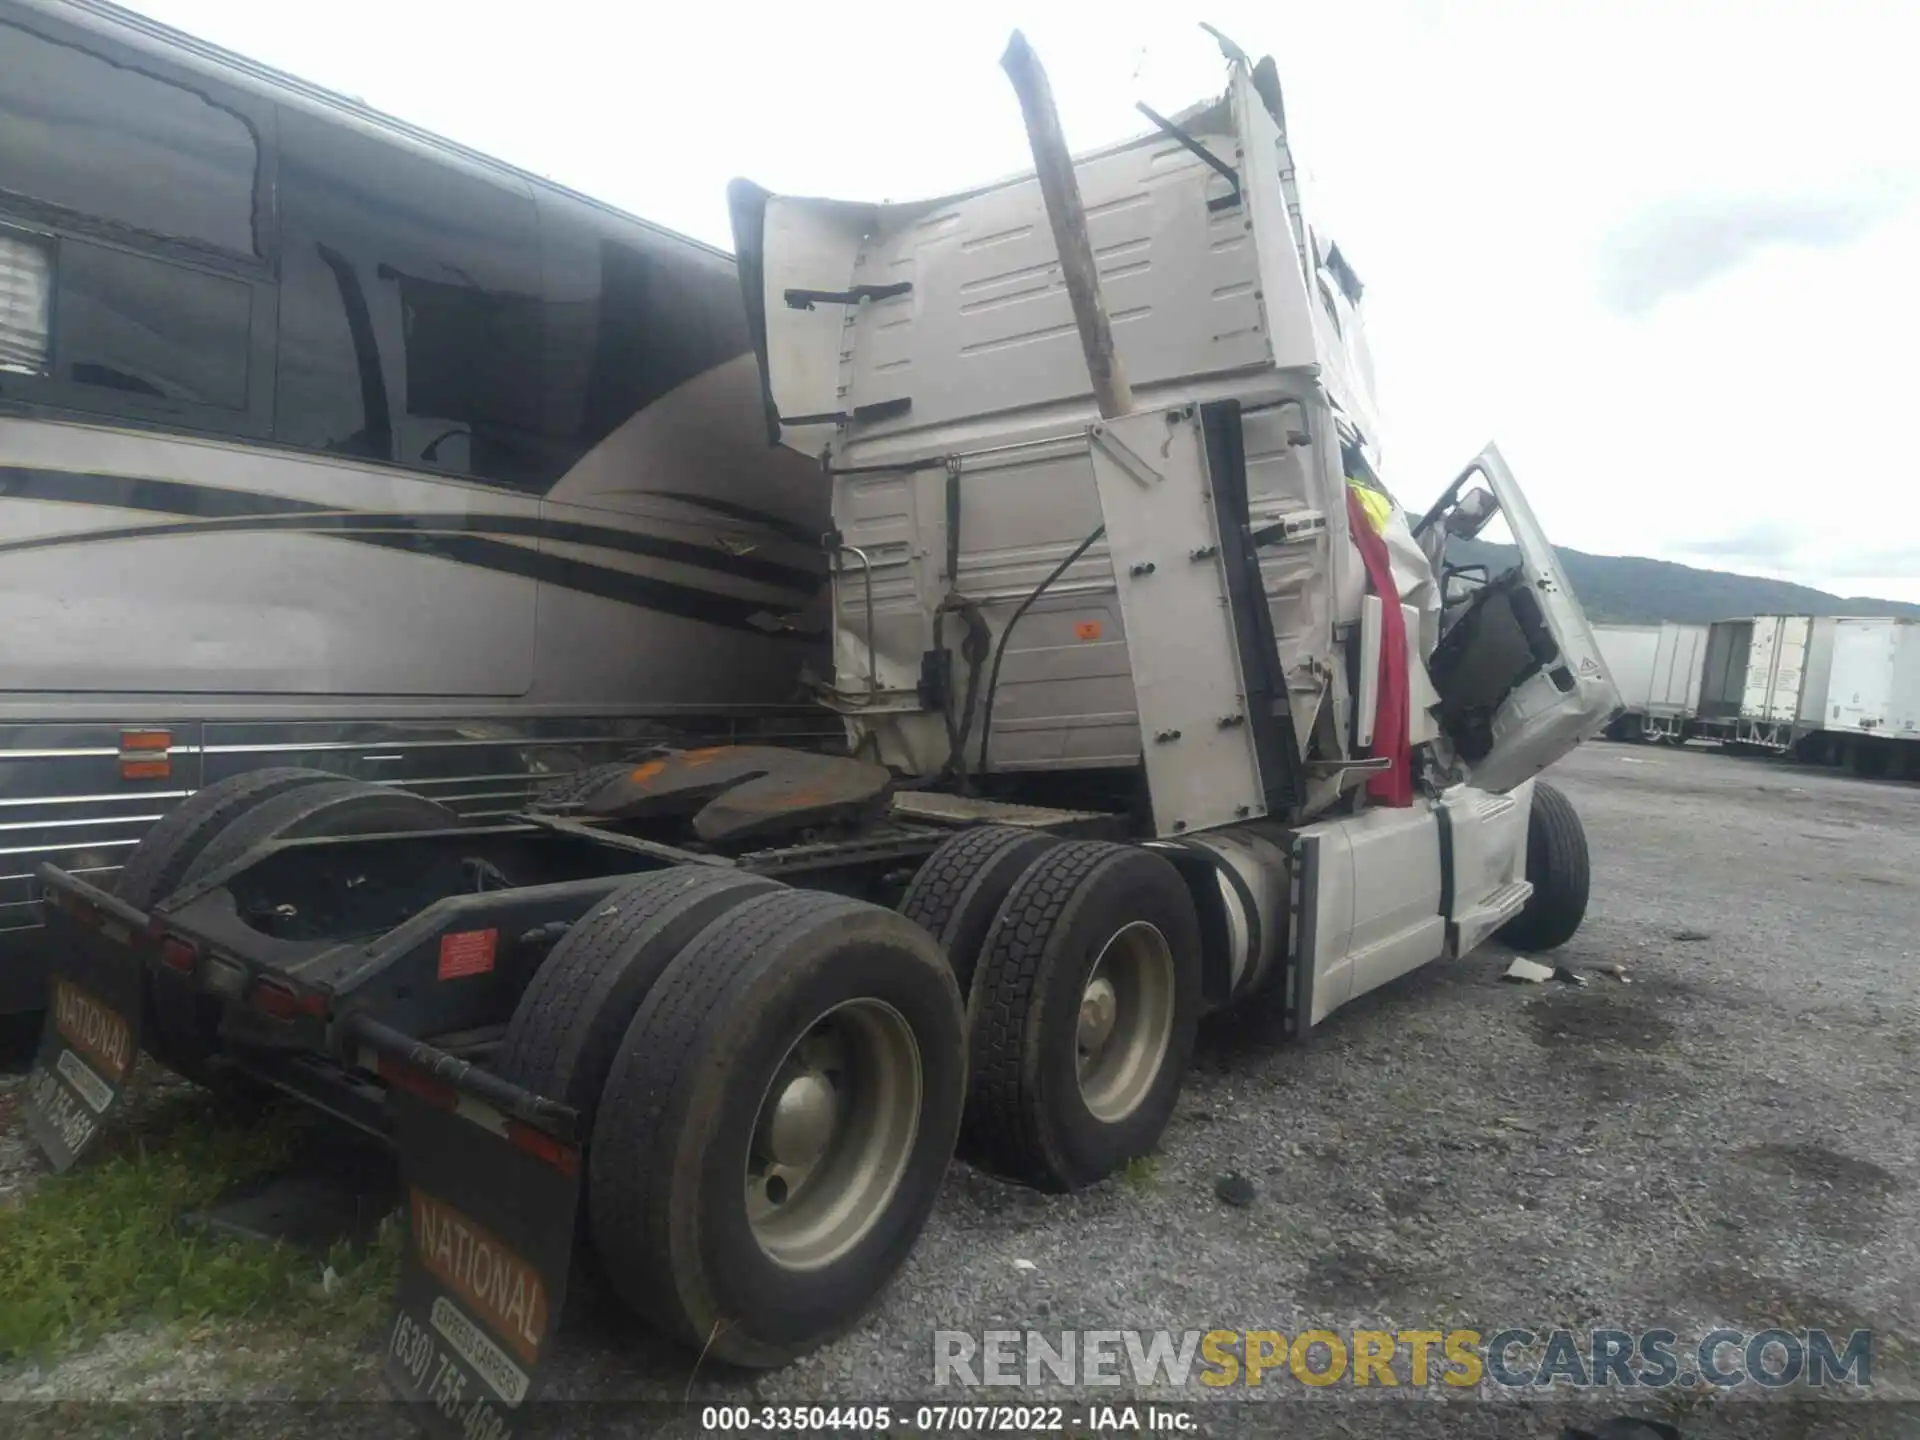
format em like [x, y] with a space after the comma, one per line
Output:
[1630, 590]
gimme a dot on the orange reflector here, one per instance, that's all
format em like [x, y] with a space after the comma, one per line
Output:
[542, 1146]
[276, 999]
[284, 1002]
[436, 1093]
[178, 955]
[144, 755]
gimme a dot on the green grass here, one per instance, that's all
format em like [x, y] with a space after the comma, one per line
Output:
[1141, 1173]
[102, 1249]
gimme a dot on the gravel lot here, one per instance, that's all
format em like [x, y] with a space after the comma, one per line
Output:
[1727, 1139]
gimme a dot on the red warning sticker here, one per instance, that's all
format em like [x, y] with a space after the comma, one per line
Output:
[1086, 629]
[467, 952]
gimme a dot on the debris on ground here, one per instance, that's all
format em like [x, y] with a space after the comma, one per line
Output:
[1568, 977]
[1614, 972]
[1525, 971]
[1234, 1188]
[108, 1246]
[334, 1189]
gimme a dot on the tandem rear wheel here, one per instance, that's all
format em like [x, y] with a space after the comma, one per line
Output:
[776, 1123]
[1082, 1015]
[957, 893]
[771, 1080]
[774, 1078]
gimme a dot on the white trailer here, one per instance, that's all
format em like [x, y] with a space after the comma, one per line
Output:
[1903, 718]
[1657, 670]
[1675, 696]
[1860, 704]
[1629, 652]
[1753, 675]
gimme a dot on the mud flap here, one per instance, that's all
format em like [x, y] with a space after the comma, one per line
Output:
[491, 1203]
[91, 1042]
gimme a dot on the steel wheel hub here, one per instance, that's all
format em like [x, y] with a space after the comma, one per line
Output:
[1098, 1010]
[834, 1133]
[1126, 1021]
[803, 1119]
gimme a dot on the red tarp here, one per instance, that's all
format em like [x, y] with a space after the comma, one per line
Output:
[1390, 717]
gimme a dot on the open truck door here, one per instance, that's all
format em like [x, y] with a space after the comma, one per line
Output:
[1517, 668]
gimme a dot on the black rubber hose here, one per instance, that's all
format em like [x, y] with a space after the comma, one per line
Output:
[956, 767]
[1000, 650]
[973, 650]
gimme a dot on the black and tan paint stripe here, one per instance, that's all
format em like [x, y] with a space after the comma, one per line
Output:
[466, 539]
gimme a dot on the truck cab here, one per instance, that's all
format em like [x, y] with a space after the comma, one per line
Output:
[925, 355]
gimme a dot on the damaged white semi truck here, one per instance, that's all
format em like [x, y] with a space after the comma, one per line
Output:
[1150, 712]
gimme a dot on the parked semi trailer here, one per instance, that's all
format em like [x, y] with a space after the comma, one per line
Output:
[1657, 670]
[1752, 678]
[1117, 595]
[1842, 690]
[1860, 704]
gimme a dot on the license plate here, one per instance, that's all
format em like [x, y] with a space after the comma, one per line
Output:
[485, 1273]
[87, 1055]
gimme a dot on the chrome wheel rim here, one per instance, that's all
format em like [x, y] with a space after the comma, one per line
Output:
[833, 1134]
[1125, 1022]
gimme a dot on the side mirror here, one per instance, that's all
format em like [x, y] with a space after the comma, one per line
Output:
[1471, 515]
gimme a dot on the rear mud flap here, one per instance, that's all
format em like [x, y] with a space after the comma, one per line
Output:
[91, 1042]
[490, 1203]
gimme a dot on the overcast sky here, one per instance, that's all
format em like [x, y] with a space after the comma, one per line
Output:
[1664, 251]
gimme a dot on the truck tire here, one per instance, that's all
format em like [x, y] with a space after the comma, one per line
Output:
[570, 1020]
[156, 868]
[339, 807]
[811, 1049]
[185, 1023]
[1557, 870]
[568, 790]
[1082, 1016]
[957, 892]
[159, 862]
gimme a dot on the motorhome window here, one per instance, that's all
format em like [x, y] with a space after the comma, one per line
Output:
[26, 293]
[409, 307]
[111, 143]
[472, 363]
[150, 328]
[630, 316]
